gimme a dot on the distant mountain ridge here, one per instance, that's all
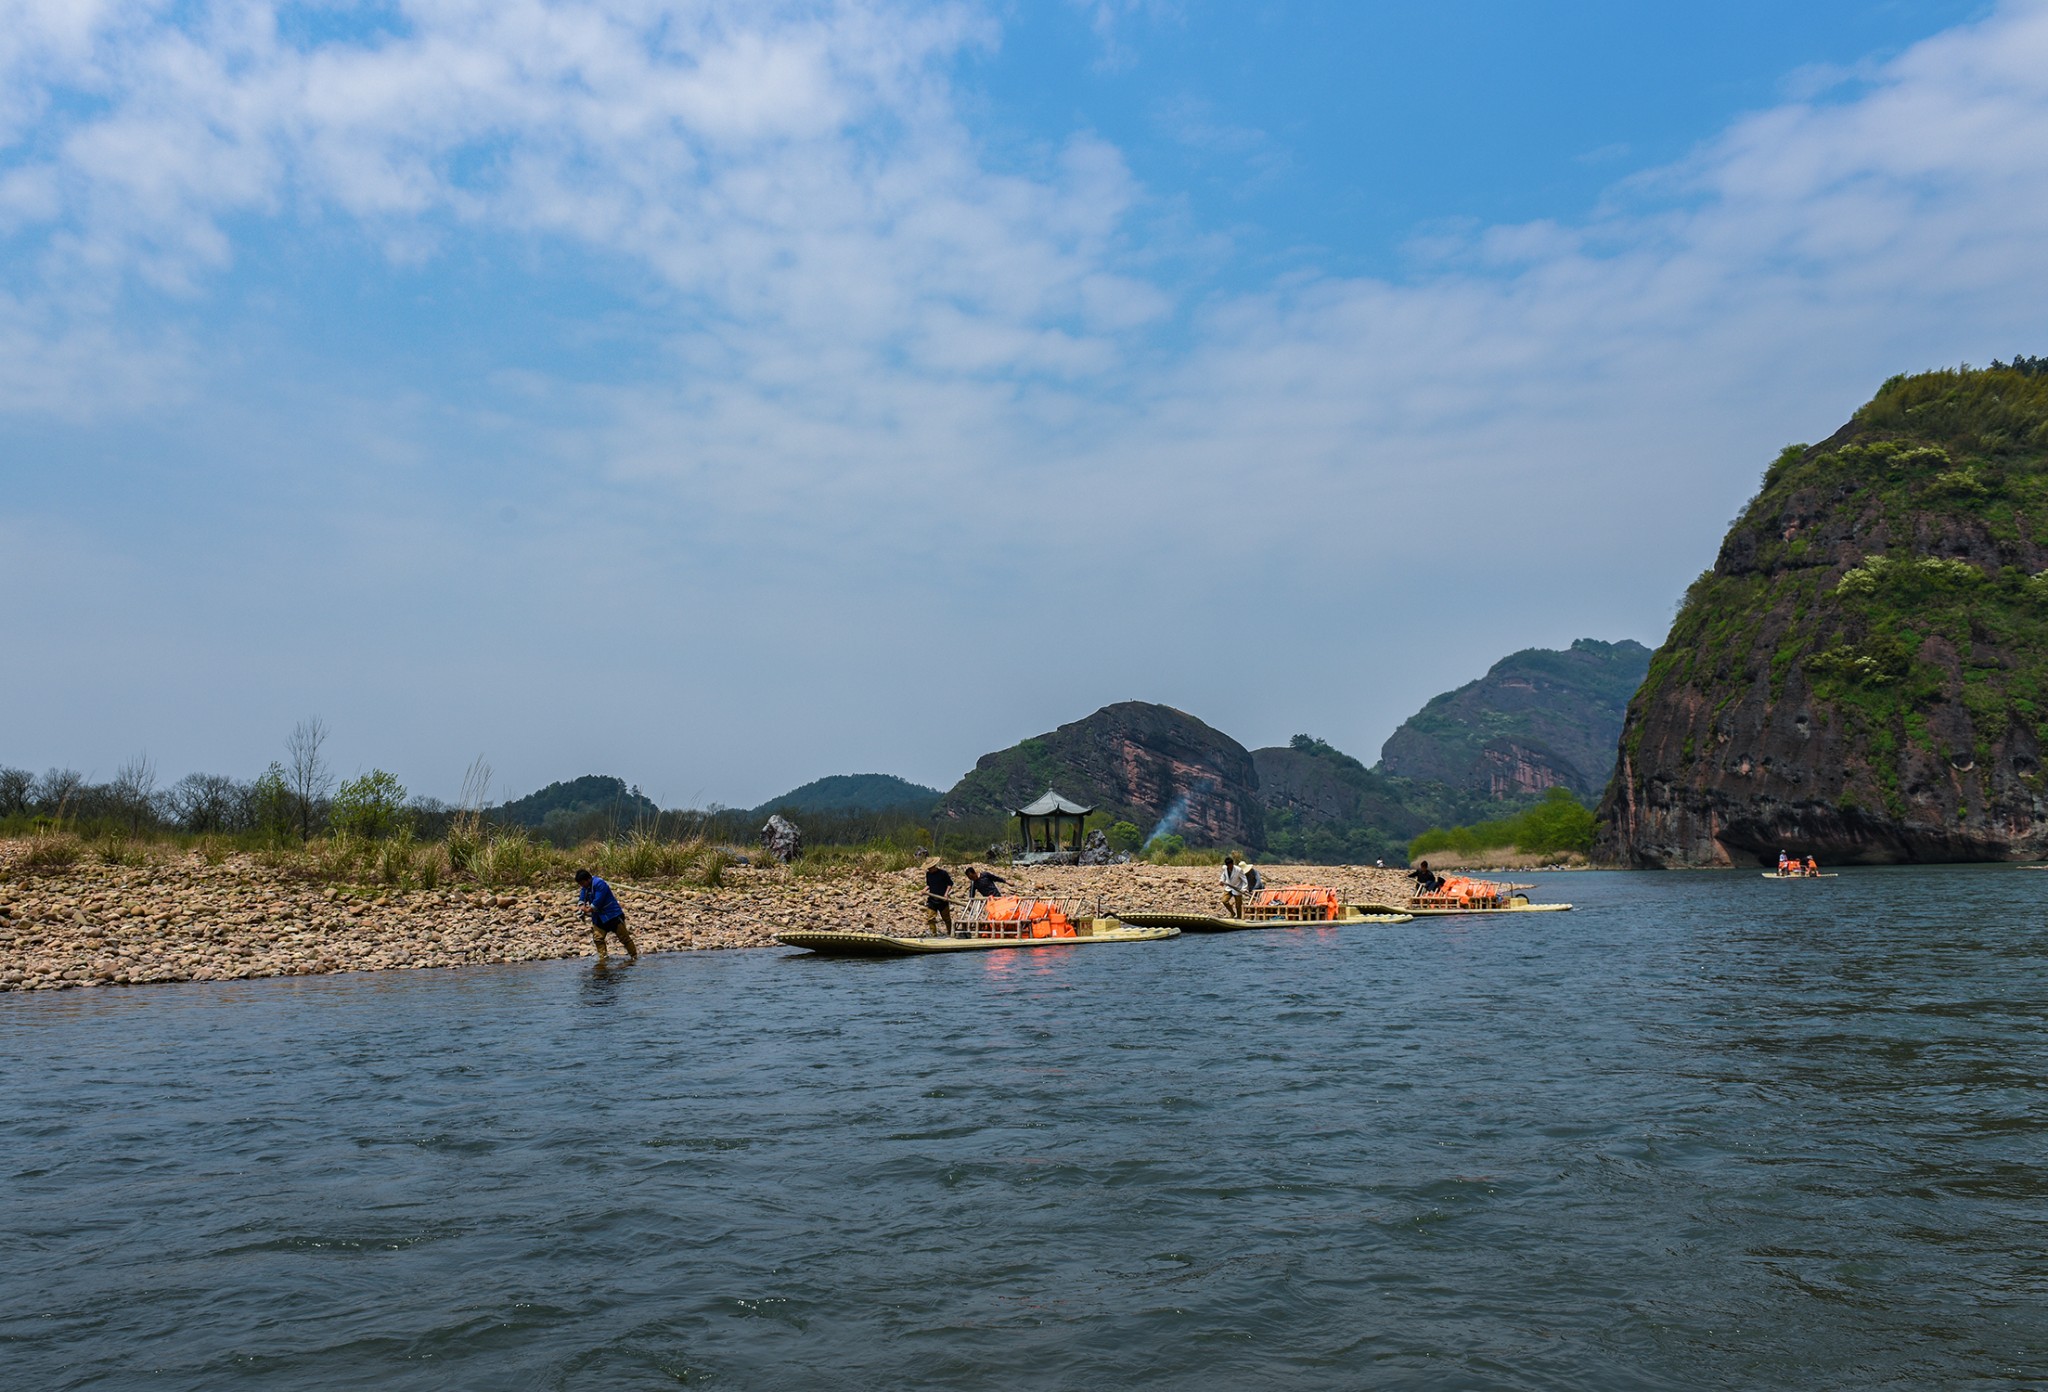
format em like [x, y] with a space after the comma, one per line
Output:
[1323, 806]
[854, 792]
[1538, 719]
[1137, 762]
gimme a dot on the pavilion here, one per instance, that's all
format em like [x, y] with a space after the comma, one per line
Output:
[1041, 823]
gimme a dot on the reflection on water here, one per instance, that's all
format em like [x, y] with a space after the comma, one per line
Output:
[603, 981]
[1699, 1133]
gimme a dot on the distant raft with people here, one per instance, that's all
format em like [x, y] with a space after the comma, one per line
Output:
[1292, 906]
[986, 925]
[1458, 894]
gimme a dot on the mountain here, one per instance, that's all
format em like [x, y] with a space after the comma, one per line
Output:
[1325, 807]
[1136, 761]
[1863, 675]
[855, 792]
[1538, 719]
[593, 796]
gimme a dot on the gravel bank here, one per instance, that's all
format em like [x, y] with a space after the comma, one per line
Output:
[181, 919]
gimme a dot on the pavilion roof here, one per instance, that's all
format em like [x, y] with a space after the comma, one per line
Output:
[1052, 802]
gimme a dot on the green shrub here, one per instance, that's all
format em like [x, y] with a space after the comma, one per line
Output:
[1558, 824]
[372, 806]
[1124, 836]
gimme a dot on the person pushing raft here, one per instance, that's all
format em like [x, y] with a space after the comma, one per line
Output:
[1232, 880]
[986, 883]
[607, 915]
[938, 885]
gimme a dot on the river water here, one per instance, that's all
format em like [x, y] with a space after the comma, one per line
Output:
[1705, 1131]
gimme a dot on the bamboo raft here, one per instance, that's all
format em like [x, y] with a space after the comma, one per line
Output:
[1296, 906]
[1458, 895]
[986, 925]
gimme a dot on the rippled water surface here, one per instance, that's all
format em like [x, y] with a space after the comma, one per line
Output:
[1706, 1131]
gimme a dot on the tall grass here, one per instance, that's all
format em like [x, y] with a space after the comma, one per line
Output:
[878, 858]
[51, 851]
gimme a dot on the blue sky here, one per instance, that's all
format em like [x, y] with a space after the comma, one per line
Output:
[726, 395]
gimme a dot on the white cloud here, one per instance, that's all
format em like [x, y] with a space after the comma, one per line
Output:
[868, 321]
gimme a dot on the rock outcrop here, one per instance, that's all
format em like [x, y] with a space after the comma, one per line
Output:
[1538, 719]
[1863, 675]
[781, 838]
[1139, 762]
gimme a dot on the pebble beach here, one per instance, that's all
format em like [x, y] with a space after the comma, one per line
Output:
[181, 918]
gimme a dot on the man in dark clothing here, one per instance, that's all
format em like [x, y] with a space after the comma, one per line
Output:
[987, 883]
[1426, 880]
[937, 885]
[607, 915]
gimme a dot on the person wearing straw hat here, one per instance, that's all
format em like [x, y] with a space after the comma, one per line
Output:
[938, 904]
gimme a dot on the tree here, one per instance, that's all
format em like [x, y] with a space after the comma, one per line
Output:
[305, 772]
[17, 791]
[1124, 836]
[206, 802]
[370, 806]
[134, 791]
[56, 790]
[272, 805]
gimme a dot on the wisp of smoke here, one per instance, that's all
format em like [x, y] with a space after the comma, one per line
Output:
[1176, 813]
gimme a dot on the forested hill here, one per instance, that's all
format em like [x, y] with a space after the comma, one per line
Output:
[1538, 719]
[1864, 672]
[593, 797]
[854, 792]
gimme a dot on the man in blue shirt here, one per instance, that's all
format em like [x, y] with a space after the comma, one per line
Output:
[606, 914]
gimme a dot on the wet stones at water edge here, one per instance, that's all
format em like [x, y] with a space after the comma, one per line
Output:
[179, 918]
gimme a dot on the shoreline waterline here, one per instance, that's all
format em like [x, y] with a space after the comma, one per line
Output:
[181, 918]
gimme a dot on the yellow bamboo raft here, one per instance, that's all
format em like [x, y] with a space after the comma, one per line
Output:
[1294, 906]
[983, 926]
[861, 942]
[1459, 896]
[1205, 923]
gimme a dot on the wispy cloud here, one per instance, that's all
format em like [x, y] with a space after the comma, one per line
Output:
[868, 328]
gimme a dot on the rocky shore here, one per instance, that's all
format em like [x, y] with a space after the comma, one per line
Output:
[181, 918]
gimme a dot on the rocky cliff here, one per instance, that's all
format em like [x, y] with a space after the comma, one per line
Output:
[1324, 806]
[1863, 675]
[1538, 719]
[1136, 761]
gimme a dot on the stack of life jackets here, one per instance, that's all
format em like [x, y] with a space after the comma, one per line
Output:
[1300, 903]
[1035, 918]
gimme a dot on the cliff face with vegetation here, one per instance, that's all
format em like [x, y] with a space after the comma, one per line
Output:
[1863, 675]
[1539, 719]
[1135, 761]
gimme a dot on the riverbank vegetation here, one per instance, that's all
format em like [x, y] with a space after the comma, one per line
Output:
[1559, 825]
